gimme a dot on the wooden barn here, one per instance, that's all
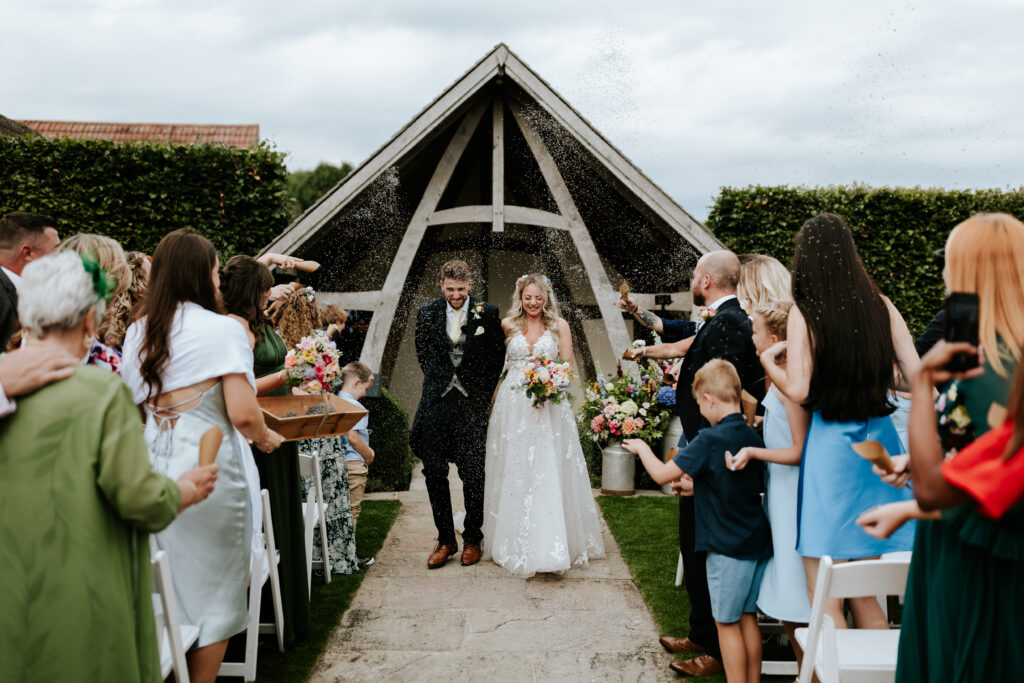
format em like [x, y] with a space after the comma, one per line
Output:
[501, 171]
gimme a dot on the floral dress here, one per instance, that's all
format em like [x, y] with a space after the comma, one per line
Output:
[341, 535]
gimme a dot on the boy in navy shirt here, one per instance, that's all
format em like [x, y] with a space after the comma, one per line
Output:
[731, 524]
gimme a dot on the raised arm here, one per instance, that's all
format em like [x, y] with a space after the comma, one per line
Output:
[793, 379]
[644, 317]
[799, 422]
[906, 353]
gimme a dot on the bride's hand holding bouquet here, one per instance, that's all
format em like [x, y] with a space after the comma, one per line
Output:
[546, 380]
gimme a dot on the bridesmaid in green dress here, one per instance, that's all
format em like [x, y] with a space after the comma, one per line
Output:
[245, 288]
[78, 498]
[295, 317]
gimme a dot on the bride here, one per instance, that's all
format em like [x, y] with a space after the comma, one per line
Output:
[539, 513]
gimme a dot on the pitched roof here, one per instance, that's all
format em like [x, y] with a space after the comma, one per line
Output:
[501, 62]
[13, 128]
[244, 135]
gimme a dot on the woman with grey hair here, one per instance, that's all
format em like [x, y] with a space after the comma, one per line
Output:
[79, 499]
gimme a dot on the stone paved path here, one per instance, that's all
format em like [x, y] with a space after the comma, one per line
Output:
[408, 623]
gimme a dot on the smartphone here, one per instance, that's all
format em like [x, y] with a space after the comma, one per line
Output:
[962, 326]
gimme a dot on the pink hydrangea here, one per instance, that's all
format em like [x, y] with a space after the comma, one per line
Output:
[597, 424]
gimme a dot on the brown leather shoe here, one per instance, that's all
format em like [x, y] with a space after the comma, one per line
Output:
[701, 665]
[441, 553]
[470, 554]
[673, 644]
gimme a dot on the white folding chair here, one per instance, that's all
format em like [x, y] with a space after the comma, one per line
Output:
[173, 637]
[851, 654]
[262, 566]
[314, 513]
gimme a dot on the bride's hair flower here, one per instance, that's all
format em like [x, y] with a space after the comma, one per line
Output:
[519, 280]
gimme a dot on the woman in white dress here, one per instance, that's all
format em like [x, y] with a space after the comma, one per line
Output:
[539, 513]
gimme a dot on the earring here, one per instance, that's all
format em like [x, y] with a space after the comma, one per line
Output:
[87, 342]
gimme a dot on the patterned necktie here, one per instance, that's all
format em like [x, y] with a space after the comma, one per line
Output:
[456, 330]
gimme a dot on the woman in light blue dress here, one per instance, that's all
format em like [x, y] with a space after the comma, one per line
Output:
[783, 594]
[846, 346]
[191, 369]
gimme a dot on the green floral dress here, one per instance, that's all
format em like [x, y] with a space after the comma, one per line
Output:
[341, 535]
[963, 619]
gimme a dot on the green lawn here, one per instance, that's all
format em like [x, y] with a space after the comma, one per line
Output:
[647, 531]
[328, 602]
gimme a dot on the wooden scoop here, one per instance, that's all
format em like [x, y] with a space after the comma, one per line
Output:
[307, 266]
[209, 444]
[875, 453]
[672, 453]
[749, 404]
[996, 415]
[624, 290]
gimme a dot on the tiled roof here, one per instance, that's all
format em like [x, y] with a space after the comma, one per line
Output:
[233, 135]
[14, 128]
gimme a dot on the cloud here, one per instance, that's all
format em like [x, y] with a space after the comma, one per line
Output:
[698, 96]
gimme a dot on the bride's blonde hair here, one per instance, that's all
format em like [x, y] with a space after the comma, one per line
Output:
[548, 314]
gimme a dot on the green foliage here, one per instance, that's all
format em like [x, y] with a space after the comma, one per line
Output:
[305, 187]
[138, 192]
[897, 230]
[392, 458]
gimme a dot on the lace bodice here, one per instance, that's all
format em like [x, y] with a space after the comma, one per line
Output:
[519, 349]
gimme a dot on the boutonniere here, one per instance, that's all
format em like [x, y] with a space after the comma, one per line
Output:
[478, 309]
[707, 314]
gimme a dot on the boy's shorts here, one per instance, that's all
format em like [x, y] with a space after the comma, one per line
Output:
[734, 585]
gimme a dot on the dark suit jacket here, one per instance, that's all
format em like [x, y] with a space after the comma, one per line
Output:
[677, 330]
[728, 336]
[933, 333]
[8, 310]
[483, 356]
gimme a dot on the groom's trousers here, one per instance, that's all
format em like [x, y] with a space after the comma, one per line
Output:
[455, 434]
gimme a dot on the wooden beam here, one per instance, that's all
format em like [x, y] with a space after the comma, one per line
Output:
[481, 213]
[498, 165]
[604, 293]
[352, 301]
[380, 325]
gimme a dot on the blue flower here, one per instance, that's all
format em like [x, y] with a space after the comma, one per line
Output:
[667, 396]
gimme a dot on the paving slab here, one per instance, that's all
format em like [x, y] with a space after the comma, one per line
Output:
[408, 623]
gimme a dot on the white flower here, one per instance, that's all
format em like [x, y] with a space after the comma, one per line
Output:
[609, 387]
[628, 407]
[543, 375]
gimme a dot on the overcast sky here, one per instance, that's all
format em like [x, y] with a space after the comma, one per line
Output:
[697, 94]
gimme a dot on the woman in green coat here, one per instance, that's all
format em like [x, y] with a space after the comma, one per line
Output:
[78, 498]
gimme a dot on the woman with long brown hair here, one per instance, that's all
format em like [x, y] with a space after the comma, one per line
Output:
[845, 342]
[190, 368]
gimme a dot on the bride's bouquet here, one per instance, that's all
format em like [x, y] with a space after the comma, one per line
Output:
[546, 380]
[312, 365]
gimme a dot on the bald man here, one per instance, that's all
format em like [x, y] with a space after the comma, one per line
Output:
[727, 335]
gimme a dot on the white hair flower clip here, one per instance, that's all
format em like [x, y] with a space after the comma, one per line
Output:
[309, 294]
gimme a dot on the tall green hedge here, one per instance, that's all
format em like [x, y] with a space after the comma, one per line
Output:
[138, 192]
[896, 230]
[391, 469]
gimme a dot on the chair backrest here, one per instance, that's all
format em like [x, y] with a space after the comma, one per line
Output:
[848, 580]
[171, 623]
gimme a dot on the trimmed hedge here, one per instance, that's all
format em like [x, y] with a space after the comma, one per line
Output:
[138, 192]
[392, 458]
[897, 230]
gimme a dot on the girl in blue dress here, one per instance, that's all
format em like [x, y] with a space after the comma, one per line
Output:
[847, 345]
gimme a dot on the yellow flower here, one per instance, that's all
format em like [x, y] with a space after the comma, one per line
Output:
[961, 417]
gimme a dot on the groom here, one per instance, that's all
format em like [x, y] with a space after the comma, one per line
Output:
[460, 347]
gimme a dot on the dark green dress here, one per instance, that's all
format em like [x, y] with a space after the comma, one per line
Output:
[279, 474]
[962, 620]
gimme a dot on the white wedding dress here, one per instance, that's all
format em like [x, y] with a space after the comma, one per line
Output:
[539, 513]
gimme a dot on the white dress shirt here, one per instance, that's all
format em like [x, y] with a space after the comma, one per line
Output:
[450, 316]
